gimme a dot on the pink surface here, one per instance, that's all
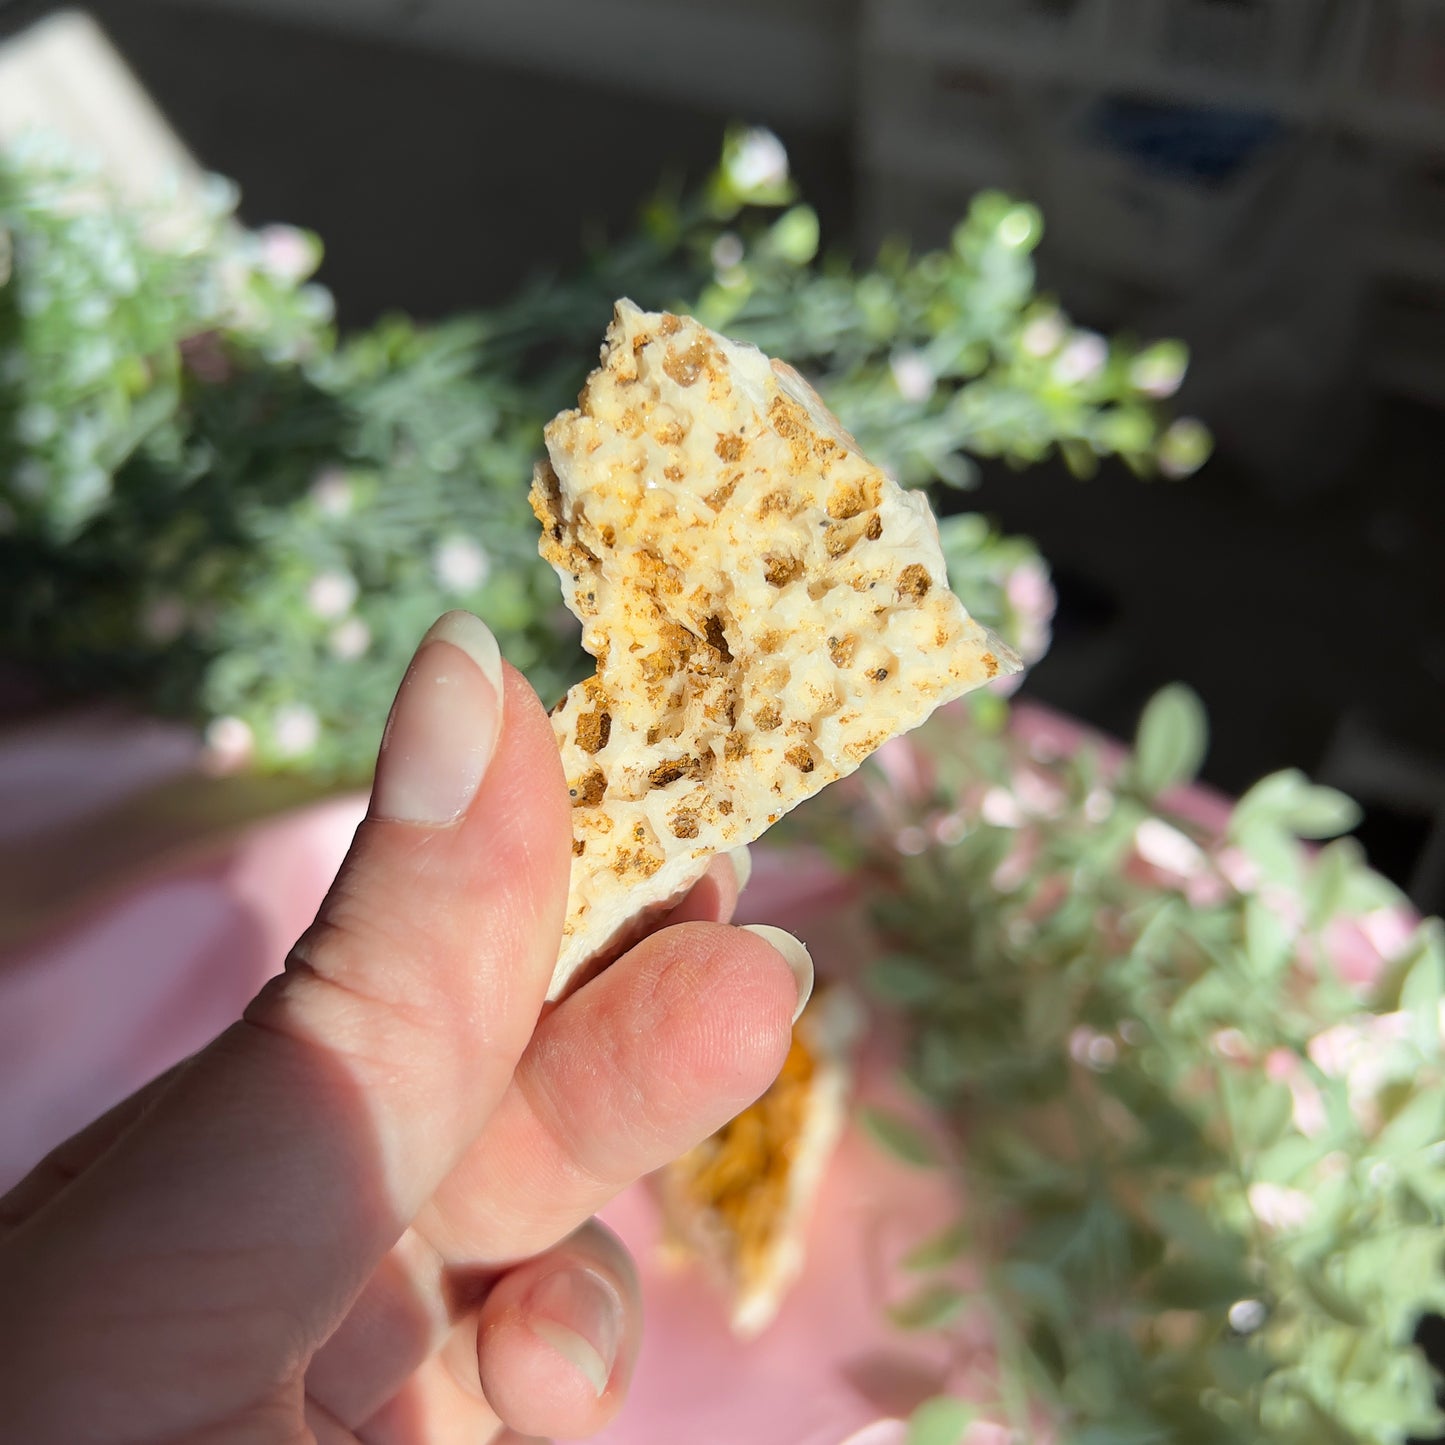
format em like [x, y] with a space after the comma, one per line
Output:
[110, 997]
[105, 1000]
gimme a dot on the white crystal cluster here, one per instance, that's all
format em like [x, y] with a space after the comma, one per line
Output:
[764, 605]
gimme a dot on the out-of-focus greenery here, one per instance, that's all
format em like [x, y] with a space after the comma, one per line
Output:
[1194, 1082]
[209, 501]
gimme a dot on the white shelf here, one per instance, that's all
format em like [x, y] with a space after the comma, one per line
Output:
[1081, 55]
[63, 78]
[1316, 66]
[789, 59]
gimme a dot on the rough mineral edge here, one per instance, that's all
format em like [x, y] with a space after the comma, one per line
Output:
[741, 1201]
[765, 606]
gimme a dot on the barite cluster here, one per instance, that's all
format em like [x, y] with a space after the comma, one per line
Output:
[765, 606]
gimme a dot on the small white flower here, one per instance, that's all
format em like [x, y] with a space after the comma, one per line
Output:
[1337, 1050]
[230, 742]
[911, 841]
[1043, 335]
[1231, 1044]
[1098, 805]
[1158, 374]
[1093, 1050]
[1247, 1315]
[1082, 359]
[1310, 1116]
[1278, 1207]
[286, 253]
[460, 564]
[331, 594]
[727, 251]
[351, 639]
[331, 492]
[295, 729]
[164, 619]
[1168, 849]
[1038, 794]
[1029, 589]
[1001, 809]
[913, 376]
[759, 163]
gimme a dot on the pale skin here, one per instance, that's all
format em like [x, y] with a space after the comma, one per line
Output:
[364, 1213]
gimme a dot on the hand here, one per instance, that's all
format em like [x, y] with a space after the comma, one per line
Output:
[364, 1212]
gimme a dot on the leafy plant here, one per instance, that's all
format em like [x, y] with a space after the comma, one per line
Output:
[210, 502]
[1194, 1083]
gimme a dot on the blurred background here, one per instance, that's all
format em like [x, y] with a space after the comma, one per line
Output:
[1149, 294]
[1263, 179]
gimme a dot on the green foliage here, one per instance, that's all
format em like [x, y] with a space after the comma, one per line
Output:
[940, 1421]
[898, 1137]
[1205, 1171]
[97, 306]
[1170, 743]
[208, 501]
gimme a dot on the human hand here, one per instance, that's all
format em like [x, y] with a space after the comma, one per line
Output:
[364, 1212]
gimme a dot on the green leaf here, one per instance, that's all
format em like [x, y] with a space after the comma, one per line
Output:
[794, 235]
[1188, 1226]
[1122, 1432]
[1417, 1125]
[1288, 1158]
[1424, 987]
[1329, 880]
[1171, 740]
[899, 978]
[1041, 1288]
[1238, 1367]
[1270, 847]
[941, 1249]
[1265, 1115]
[1330, 1298]
[898, 1137]
[931, 1308]
[1268, 943]
[939, 1421]
[1289, 800]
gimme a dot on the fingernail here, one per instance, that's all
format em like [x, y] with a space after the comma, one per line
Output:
[742, 862]
[443, 726]
[797, 957]
[579, 1314]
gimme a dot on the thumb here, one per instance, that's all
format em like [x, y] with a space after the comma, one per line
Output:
[285, 1159]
